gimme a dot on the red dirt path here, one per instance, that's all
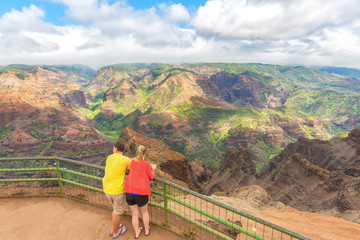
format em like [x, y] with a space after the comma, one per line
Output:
[62, 219]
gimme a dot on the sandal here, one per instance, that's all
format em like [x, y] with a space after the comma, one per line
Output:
[148, 232]
[120, 226]
[120, 233]
[140, 229]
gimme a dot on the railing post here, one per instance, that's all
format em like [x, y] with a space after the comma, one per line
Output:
[166, 205]
[59, 177]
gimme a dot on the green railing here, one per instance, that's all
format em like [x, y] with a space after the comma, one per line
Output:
[178, 209]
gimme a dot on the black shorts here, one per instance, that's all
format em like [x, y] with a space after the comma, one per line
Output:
[140, 200]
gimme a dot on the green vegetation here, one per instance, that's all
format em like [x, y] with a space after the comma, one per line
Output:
[47, 147]
[20, 75]
[3, 154]
[89, 112]
[212, 127]
[6, 129]
[80, 70]
[131, 68]
[126, 106]
[294, 77]
[336, 106]
[349, 72]
[77, 69]
[21, 67]
[94, 107]
[34, 132]
[107, 124]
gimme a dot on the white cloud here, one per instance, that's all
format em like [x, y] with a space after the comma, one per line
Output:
[89, 45]
[17, 28]
[109, 32]
[271, 19]
[85, 10]
[29, 19]
[175, 13]
[146, 27]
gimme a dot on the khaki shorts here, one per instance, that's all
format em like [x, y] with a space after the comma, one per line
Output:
[117, 202]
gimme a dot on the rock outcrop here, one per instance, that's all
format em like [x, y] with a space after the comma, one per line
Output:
[201, 174]
[296, 177]
[236, 169]
[300, 184]
[336, 155]
[75, 98]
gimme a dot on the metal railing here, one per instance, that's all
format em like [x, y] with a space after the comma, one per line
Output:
[178, 209]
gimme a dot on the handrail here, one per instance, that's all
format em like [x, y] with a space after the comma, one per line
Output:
[252, 217]
[63, 170]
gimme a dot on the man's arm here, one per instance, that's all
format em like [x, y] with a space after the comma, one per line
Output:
[127, 170]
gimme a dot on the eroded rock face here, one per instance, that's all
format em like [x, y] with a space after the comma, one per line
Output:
[125, 90]
[106, 78]
[300, 184]
[36, 117]
[171, 165]
[76, 97]
[19, 139]
[236, 169]
[12, 107]
[201, 174]
[354, 135]
[336, 155]
[251, 192]
[244, 89]
[205, 70]
[209, 88]
[293, 179]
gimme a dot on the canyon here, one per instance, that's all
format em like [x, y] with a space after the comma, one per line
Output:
[213, 128]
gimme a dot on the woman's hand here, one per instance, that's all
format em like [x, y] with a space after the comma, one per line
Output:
[153, 166]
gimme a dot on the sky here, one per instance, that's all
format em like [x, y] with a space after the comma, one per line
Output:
[97, 33]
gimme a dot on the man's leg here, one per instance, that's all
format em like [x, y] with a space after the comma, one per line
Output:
[118, 209]
[115, 223]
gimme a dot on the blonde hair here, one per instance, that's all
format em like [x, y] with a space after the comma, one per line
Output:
[141, 150]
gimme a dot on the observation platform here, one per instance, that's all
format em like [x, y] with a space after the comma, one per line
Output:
[58, 198]
[64, 219]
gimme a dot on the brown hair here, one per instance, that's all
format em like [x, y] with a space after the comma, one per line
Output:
[119, 146]
[141, 150]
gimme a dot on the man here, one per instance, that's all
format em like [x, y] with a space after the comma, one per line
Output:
[113, 184]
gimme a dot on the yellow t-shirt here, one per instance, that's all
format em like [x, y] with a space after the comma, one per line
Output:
[113, 181]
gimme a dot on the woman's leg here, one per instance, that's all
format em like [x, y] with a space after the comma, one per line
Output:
[145, 217]
[135, 219]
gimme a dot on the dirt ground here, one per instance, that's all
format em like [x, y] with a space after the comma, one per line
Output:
[65, 219]
[312, 225]
[62, 219]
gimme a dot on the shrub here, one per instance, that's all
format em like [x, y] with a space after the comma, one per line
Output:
[20, 75]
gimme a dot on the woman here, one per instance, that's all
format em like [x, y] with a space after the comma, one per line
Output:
[137, 188]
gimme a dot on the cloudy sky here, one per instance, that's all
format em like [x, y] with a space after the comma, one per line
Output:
[102, 32]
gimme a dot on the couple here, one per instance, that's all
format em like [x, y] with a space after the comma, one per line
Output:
[137, 188]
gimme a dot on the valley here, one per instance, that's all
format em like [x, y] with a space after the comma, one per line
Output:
[294, 131]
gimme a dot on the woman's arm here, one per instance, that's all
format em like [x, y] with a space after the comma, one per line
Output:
[150, 171]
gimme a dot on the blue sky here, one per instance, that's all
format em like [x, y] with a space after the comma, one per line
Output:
[102, 32]
[55, 10]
